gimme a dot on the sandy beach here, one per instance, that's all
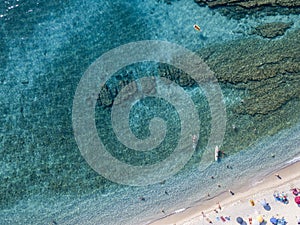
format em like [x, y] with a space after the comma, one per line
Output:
[238, 204]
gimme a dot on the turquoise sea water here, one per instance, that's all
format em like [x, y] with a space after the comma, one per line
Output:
[46, 47]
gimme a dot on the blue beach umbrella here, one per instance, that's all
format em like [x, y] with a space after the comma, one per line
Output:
[265, 205]
[239, 220]
[273, 220]
[281, 222]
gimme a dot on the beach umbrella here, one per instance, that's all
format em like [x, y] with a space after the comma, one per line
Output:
[297, 200]
[273, 220]
[263, 202]
[281, 222]
[260, 219]
[239, 220]
[265, 205]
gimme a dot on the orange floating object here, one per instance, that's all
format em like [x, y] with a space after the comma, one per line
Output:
[197, 27]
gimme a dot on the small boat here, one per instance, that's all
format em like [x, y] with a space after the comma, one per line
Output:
[217, 153]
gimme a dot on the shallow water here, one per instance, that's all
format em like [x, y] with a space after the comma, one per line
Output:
[45, 50]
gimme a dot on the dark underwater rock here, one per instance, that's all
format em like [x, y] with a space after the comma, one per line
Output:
[251, 3]
[269, 71]
[176, 75]
[106, 96]
[262, 79]
[239, 8]
[272, 30]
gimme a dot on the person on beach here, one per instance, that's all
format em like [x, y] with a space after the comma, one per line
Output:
[295, 191]
[250, 220]
[219, 206]
[282, 197]
[231, 192]
[278, 176]
[298, 219]
[208, 220]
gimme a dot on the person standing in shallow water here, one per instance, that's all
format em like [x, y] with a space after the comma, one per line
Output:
[194, 140]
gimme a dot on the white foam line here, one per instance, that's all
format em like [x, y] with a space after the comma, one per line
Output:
[179, 210]
[294, 160]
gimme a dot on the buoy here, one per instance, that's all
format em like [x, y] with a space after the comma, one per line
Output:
[197, 27]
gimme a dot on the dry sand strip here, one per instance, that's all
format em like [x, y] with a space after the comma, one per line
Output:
[238, 205]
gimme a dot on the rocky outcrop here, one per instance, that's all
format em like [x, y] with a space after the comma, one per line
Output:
[107, 95]
[240, 8]
[268, 71]
[262, 78]
[176, 75]
[250, 4]
[272, 30]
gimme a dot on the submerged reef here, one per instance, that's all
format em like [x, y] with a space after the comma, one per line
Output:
[262, 79]
[251, 3]
[272, 30]
[267, 74]
[268, 71]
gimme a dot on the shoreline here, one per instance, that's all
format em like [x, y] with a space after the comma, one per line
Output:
[290, 173]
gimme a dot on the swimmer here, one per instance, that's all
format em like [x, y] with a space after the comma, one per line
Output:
[194, 140]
